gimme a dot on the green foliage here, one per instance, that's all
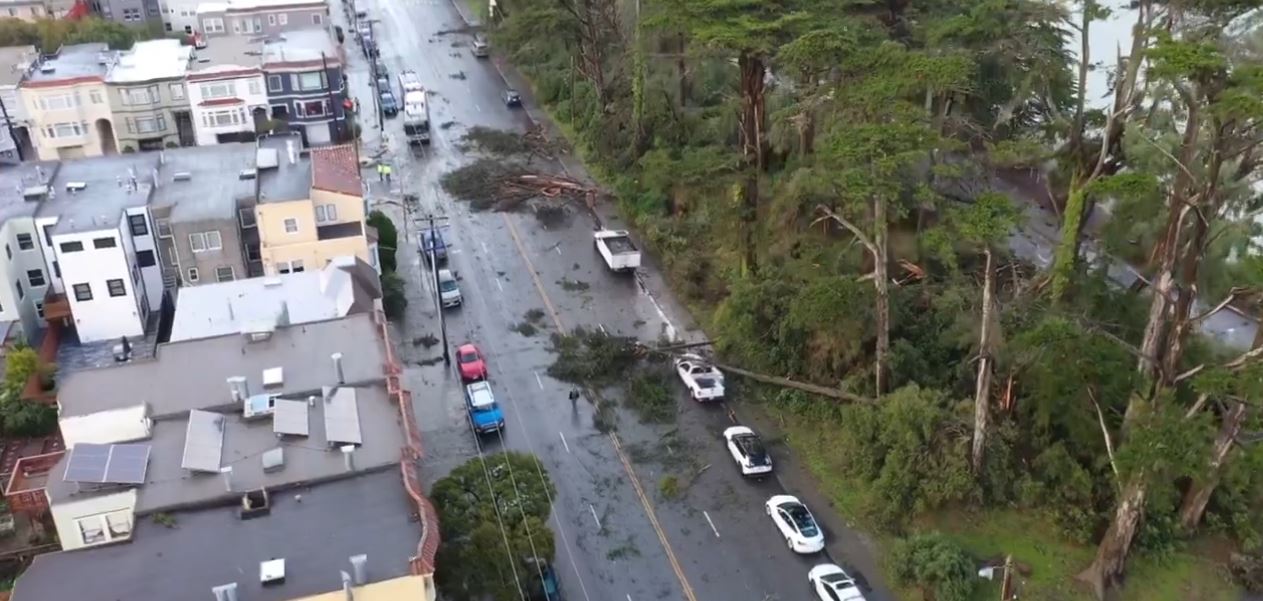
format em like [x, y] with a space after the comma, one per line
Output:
[935, 564]
[51, 34]
[493, 513]
[394, 300]
[387, 239]
[19, 417]
[591, 357]
[650, 397]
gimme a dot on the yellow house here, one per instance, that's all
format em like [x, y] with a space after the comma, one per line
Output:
[310, 208]
[68, 105]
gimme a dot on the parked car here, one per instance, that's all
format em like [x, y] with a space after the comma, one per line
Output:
[484, 413]
[383, 83]
[449, 290]
[472, 365]
[547, 588]
[617, 249]
[481, 48]
[512, 98]
[748, 451]
[390, 107]
[704, 381]
[434, 242]
[796, 524]
[832, 583]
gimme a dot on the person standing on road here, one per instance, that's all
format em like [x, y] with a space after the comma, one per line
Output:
[574, 396]
[381, 172]
[386, 169]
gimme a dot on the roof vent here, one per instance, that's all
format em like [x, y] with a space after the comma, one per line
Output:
[273, 460]
[76, 186]
[247, 174]
[225, 592]
[272, 282]
[266, 158]
[181, 176]
[274, 376]
[359, 569]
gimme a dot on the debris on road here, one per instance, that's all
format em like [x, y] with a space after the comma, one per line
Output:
[496, 184]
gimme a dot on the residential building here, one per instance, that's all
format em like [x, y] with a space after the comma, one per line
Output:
[61, 9]
[148, 97]
[98, 238]
[260, 17]
[128, 12]
[20, 60]
[24, 272]
[26, 10]
[344, 287]
[276, 452]
[195, 213]
[227, 90]
[305, 84]
[68, 105]
[310, 206]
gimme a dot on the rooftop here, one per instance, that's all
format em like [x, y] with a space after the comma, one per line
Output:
[80, 61]
[213, 547]
[284, 169]
[301, 46]
[307, 459]
[19, 60]
[193, 374]
[227, 54]
[244, 5]
[346, 285]
[203, 182]
[337, 169]
[16, 180]
[108, 191]
[405, 588]
[152, 60]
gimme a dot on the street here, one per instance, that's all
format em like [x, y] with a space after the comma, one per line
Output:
[617, 538]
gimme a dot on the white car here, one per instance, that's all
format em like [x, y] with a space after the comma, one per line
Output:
[748, 451]
[705, 383]
[832, 583]
[796, 524]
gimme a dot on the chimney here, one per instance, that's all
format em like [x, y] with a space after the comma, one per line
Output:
[346, 586]
[293, 154]
[225, 592]
[226, 472]
[359, 569]
[237, 387]
[337, 368]
[348, 456]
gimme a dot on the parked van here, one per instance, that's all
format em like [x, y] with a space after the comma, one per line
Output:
[449, 290]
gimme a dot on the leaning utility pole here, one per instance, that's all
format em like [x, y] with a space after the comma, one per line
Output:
[433, 236]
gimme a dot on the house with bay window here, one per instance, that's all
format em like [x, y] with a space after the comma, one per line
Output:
[305, 85]
[148, 96]
[67, 103]
[227, 91]
[260, 17]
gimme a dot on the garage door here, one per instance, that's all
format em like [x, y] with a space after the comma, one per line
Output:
[318, 134]
[70, 152]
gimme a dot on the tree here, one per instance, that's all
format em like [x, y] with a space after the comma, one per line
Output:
[493, 512]
[1233, 386]
[394, 300]
[387, 239]
[19, 417]
[940, 567]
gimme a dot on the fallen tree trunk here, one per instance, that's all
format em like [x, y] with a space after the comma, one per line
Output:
[803, 386]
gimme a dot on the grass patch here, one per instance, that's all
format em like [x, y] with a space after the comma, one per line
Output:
[670, 488]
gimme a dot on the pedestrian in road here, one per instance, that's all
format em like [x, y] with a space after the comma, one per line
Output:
[574, 395]
[381, 172]
[387, 169]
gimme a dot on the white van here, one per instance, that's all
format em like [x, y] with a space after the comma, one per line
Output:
[449, 290]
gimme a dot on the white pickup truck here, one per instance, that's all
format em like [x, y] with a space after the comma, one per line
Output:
[704, 381]
[616, 247]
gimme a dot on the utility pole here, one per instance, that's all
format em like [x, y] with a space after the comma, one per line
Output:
[373, 53]
[17, 145]
[433, 237]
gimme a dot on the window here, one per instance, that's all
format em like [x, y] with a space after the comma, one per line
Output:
[65, 130]
[164, 228]
[192, 275]
[312, 108]
[274, 83]
[83, 292]
[71, 247]
[39, 309]
[177, 91]
[56, 269]
[119, 524]
[254, 87]
[283, 19]
[8, 251]
[247, 218]
[90, 530]
[57, 102]
[252, 253]
[138, 225]
[307, 82]
[326, 213]
[215, 25]
[48, 234]
[224, 274]
[147, 125]
[272, 19]
[204, 241]
[291, 225]
[21, 293]
[224, 117]
[35, 277]
[221, 89]
[26, 242]
[296, 265]
[107, 242]
[145, 258]
[140, 96]
[131, 15]
[95, 96]
[117, 287]
[317, 19]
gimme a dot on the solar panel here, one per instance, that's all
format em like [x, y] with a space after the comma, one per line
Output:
[290, 417]
[203, 441]
[342, 416]
[108, 463]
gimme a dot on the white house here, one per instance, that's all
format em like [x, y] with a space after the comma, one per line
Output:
[227, 90]
[24, 274]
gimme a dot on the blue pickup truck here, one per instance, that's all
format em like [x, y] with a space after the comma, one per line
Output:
[484, 412]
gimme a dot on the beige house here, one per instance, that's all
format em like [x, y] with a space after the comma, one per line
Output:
[68, 105]
[310, 208]
[26, 10]
[148, 96]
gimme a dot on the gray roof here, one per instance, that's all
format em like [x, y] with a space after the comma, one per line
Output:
[367, 514]
[308, 459]
[214, 183]
[100, 205]
[224, 53]
[346, 285]
[287, 181]
[301, 45]
[193, 374]
[79, 60]
[14, 179]
[151, 60]
[18, 59]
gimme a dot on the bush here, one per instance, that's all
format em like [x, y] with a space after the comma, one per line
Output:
[936, 565]
[650, 397]
[393, 299]
[387, 239]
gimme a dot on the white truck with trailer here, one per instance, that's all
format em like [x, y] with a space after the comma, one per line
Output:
[616, 247]
[416, 108]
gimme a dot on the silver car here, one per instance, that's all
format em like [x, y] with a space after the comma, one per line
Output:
[449, 290]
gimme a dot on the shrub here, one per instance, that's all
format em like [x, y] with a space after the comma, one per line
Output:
[387, 239]
[394, 301]
[935, 564]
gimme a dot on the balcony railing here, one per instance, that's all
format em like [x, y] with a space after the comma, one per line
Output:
[25, 489]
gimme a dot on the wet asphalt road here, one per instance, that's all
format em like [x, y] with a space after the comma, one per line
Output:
[719, 544]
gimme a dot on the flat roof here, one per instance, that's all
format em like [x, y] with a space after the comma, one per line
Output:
[18, 59]
[294, 298]
[316, 536]
[227, 55]
[73, 62]
[16, 179]
[151, 60]
[301, 46]
[209, 183]
[99, 205]
[193, 374]
[308, 459]
[286, 181]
